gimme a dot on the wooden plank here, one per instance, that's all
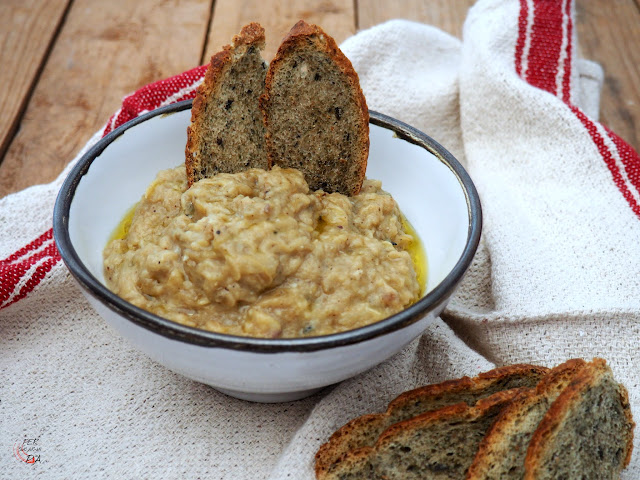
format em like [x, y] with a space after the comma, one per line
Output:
[610, 35]
[336, 17]
[27, 29]
[445, 14]
[104, 51]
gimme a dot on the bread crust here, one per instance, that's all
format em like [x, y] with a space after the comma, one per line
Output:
[340, 448]
[340, 443]
[459, 411]
[466, 383]
[301, 33]
[357, 460]
[251, 34]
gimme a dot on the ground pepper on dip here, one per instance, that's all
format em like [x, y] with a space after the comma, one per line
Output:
[257, 254]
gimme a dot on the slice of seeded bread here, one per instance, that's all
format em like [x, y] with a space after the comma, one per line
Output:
[365, 430]
[353, 465]
[502, 451]
[437, 445]
[587, 433]
[315, 112]
[227, 132]
[434, 445]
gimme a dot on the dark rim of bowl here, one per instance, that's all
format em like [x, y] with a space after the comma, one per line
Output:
[176, 331]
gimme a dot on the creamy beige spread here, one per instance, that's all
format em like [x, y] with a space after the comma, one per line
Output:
[258, 254]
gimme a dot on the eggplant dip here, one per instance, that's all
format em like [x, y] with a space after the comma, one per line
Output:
[258, 254]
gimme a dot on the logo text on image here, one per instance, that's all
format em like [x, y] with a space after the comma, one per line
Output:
[27, 450]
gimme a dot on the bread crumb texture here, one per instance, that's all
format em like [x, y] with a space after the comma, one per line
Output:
[227, 133]
[315, 113]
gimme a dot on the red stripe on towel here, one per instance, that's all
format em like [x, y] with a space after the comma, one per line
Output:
[157, 94]
[17, 272]
[546, 40]
[48, 235]
[607, 156]
[544, 63]
[630, 159]
[522, 35]
[566, 81]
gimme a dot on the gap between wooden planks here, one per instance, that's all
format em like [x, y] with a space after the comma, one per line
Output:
[340, 19]
[27, 30]
[336, 17]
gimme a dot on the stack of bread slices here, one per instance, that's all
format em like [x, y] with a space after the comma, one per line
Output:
[306, 110]
[515, 422]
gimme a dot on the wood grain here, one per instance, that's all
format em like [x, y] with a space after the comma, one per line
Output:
[610, 36]
[27, 30]
[445, 14]
[104, 51]
[336, 17]
[59, 95]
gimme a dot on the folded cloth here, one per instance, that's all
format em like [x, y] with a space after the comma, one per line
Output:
[555, 277]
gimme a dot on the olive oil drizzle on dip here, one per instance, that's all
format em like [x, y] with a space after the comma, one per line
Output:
[122, 228]
[418, 254]
[416, 249]
[258, 254]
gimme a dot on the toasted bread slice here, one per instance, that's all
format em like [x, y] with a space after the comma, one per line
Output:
[502, 451]
[365, 430]
[437, 444]
[227, 132]
[587, 431]
[315, 113]
[353, 465]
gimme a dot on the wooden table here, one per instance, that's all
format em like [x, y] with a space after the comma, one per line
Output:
[66, 64]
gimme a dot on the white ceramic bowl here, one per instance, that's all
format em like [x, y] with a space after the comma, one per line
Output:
[431, 187]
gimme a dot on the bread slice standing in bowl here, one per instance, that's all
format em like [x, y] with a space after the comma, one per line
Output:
[587, 431]
[227, 132]
[345, 444]
[315, 113]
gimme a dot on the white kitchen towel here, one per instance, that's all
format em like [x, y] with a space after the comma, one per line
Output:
[556, 275]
